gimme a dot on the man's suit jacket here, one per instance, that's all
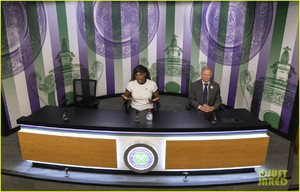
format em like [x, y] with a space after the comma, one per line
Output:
[196, 94]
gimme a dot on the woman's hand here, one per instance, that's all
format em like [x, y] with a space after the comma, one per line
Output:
[125, 97]
[154, 100]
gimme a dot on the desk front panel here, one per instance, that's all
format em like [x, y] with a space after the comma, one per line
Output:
[225, 153]
[193, 151]
[59, 149]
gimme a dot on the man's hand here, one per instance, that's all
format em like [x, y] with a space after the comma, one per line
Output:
[206, 108]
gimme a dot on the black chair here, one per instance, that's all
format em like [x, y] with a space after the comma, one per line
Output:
[84, 92]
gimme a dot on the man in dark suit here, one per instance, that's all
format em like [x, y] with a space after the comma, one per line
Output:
[205, 93]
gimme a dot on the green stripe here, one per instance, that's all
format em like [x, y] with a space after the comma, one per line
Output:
[88, 9]
[222, 29]
[278, 33]
[143, 14]
[117, 36]
[246, 48]
[62, 21]
[170, 22]
[196, 23]
[63, 36]
[275, 50]
[33, 26]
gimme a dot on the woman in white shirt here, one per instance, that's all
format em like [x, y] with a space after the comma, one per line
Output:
[141, 90]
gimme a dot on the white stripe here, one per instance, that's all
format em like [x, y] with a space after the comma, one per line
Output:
[118, 66]
[152, 47]
[252, 68]
[179, 23]
[71, 17]
[22, 93]
[224, 84]
[126, 68]
[46, 50]
[152, 56]
[71, 14]
[12, 100]
[101, 84]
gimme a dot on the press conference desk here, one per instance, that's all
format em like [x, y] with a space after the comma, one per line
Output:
[175, 141]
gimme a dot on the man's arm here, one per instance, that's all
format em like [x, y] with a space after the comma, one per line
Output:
[192, 98]
[218, 100]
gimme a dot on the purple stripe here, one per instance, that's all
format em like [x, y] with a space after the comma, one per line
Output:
[286, 112]
[55, 46]
[134, 46]
[134, 60]
[32, 88]
[234, 75]
[187, 42]
[211, 52]
[29, 71]
[110, 74]
[83, 53]
[5, 108]
[261, 73]
[161, 43]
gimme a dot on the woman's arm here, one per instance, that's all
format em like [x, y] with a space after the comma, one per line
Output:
[127, 95]
[155, 96]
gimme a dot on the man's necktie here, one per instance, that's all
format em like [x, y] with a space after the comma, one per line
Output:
[205, 94]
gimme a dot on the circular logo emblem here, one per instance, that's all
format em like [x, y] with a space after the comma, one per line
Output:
[116, 36]
[140, 158]
[247, 26]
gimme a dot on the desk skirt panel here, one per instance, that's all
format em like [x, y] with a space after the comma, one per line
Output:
[193, 151]
[205, 154]
[94, 152]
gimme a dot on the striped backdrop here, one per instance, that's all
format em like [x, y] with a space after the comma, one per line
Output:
[252, 46]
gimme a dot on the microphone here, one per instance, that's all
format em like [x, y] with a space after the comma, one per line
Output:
[137, 116]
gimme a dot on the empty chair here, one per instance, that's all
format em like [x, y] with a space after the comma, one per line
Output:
[84, 91]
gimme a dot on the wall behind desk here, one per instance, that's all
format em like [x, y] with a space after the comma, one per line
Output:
[252, 47]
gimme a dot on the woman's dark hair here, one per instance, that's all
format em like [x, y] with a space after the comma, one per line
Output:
[141, 69]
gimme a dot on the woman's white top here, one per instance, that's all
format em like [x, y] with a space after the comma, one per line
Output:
[141, 93]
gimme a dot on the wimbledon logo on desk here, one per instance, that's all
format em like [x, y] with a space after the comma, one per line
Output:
[140, 158]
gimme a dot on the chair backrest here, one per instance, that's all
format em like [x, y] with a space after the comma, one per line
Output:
[84, 91]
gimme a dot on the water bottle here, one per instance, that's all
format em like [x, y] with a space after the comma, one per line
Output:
[149, 116]
[214, 119]
[65, 116]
